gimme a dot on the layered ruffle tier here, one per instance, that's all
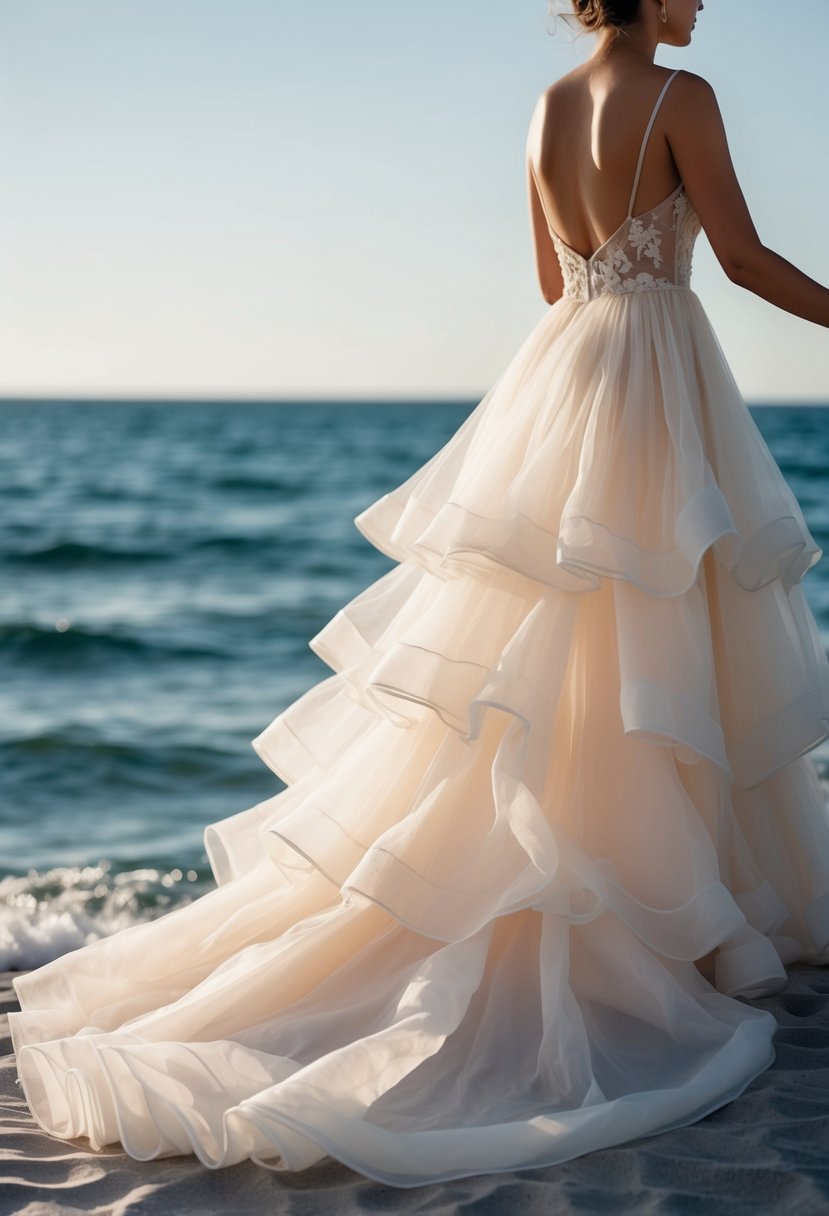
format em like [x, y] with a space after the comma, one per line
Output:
[562, 756]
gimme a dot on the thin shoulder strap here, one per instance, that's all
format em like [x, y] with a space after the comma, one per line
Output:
[645, 142]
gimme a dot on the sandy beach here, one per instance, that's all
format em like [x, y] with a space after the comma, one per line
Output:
[767, 1152]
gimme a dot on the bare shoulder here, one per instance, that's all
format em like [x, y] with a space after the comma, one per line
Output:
[537, 119]
[691, 95]
[542, 110]
[560, 89]
[553, 102]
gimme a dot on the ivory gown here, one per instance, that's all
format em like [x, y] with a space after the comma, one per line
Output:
[563, 754]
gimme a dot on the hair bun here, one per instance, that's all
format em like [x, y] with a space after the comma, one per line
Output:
[596, 14]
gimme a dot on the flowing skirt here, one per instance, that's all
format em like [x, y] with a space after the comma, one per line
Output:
[562, 757]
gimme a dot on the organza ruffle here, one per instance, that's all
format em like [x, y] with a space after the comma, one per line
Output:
[567, 473]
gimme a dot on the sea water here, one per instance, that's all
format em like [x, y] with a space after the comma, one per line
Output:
[163, 566]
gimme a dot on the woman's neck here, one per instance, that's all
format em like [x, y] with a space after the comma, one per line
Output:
[637, 41]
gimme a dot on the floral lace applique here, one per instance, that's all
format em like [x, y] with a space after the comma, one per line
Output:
[687, 226]
[645, 282]
[573, 269]
[606, 276]
[646, 241]
[606, 269]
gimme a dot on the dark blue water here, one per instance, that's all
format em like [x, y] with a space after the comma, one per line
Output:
[163, 567]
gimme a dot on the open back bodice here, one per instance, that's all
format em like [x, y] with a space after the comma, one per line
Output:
[646, 252]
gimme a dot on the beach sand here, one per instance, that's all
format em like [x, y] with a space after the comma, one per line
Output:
[767, 1152]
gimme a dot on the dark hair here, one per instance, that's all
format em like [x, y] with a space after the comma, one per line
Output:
[596, 14]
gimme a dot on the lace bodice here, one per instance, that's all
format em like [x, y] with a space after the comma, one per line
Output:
[646, 252]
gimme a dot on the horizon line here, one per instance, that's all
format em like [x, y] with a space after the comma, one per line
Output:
[374, 399]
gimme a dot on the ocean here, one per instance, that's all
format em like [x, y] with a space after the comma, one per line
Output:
[163, 566]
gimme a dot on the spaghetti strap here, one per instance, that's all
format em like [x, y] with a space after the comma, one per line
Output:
[645, 142]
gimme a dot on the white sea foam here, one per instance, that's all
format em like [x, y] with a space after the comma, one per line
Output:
[44, 914]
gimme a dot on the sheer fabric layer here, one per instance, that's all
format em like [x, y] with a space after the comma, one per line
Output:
[562, 754]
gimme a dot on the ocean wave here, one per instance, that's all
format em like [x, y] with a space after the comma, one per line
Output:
[274, 546]
[28, 641]
[253, 484]
[70, 554]
[44, 914]
[147, 760]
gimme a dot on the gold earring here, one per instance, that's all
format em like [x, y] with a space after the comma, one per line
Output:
[663, 13]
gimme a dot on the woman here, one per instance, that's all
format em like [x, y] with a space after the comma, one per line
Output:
[554, 811]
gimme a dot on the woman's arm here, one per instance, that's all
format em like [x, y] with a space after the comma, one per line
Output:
[697, 139]
[547, 266]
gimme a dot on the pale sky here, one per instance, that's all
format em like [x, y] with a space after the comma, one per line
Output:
[267, 198]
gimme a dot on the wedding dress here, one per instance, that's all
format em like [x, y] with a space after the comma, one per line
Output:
[563, 755]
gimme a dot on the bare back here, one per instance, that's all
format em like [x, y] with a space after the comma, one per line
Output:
[584, 145]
